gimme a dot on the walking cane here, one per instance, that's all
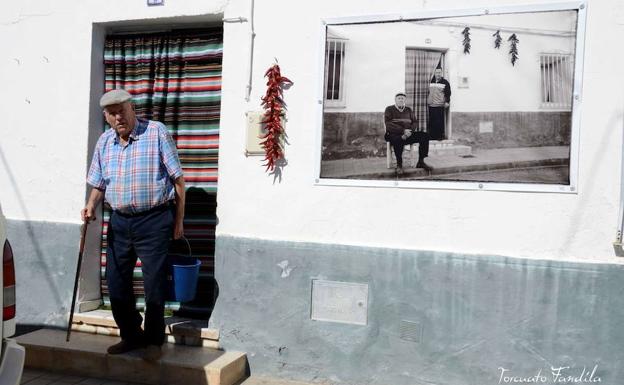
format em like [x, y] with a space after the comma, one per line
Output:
[83, 232]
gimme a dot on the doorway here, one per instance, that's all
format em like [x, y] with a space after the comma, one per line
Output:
[420, 65]
[175, 77]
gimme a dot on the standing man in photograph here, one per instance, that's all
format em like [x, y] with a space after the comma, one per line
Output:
[438, 101]
[401, 129]
[136, 168]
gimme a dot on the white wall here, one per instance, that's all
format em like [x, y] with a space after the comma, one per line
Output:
[553, 226]
[47, 97]
[375, 59]
[45, 72]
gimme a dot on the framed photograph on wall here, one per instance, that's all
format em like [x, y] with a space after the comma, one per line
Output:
[463, 99]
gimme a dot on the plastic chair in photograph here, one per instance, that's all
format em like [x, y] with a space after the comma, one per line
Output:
[389, 151]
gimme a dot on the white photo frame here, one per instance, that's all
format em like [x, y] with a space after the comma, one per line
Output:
[344, 23]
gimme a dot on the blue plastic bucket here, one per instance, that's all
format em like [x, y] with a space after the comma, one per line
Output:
[183, 276]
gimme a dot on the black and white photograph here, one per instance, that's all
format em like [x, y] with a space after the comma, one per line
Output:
[485, 98]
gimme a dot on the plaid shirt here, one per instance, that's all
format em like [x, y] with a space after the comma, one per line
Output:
[138, 176]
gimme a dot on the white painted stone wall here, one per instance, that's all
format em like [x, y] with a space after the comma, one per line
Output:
[45, 72]
[552, 226]
[46, 102]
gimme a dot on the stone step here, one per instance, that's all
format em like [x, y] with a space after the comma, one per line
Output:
[438, 149]
[85, 355]
[452, 149]
[179, 330]
[441, 143]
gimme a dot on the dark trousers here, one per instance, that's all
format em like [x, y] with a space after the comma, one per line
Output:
[398, 143]
[146, 236]
[436, 125]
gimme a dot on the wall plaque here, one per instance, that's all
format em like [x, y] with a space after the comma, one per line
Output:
[343, 302]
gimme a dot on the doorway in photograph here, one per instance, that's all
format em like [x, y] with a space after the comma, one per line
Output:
[420, 65]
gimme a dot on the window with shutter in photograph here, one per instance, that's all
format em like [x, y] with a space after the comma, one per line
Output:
[334, 72]
[556, 81]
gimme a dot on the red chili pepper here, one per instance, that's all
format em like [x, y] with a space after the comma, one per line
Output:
[273, 104]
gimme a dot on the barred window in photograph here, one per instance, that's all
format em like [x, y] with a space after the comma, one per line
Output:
[556, 80]
[334, 72]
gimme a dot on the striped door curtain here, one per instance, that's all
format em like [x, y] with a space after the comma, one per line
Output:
[175, 78]
[419, 67]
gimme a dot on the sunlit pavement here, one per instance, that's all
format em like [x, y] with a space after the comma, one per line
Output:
[480, 160]
[40, 377]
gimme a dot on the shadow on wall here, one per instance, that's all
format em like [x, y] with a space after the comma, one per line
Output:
[353, 135]
[35, 264]
[488, 130]
[199, 228]
[360, 134]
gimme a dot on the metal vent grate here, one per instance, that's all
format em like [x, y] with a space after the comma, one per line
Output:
[411, 331]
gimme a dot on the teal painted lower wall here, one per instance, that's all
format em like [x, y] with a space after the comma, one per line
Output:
[361, 134]
[45, 257]
[480, 316]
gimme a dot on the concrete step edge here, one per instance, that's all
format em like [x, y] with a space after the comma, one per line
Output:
[171, 338]
[228, 368]
[175, 326]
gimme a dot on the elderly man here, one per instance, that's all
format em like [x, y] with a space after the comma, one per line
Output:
[135, 167]
[401, 129]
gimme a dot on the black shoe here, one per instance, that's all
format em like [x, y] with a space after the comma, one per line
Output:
[123, 347]
[422, 164]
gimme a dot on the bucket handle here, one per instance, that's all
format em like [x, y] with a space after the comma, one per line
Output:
[188, 245]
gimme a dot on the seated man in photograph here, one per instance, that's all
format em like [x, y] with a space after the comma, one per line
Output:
[401, 129]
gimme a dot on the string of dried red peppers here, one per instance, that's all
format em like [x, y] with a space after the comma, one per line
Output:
[274, 105]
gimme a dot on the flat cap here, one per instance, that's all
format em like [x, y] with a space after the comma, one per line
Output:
[114, 97]
[400, 94]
